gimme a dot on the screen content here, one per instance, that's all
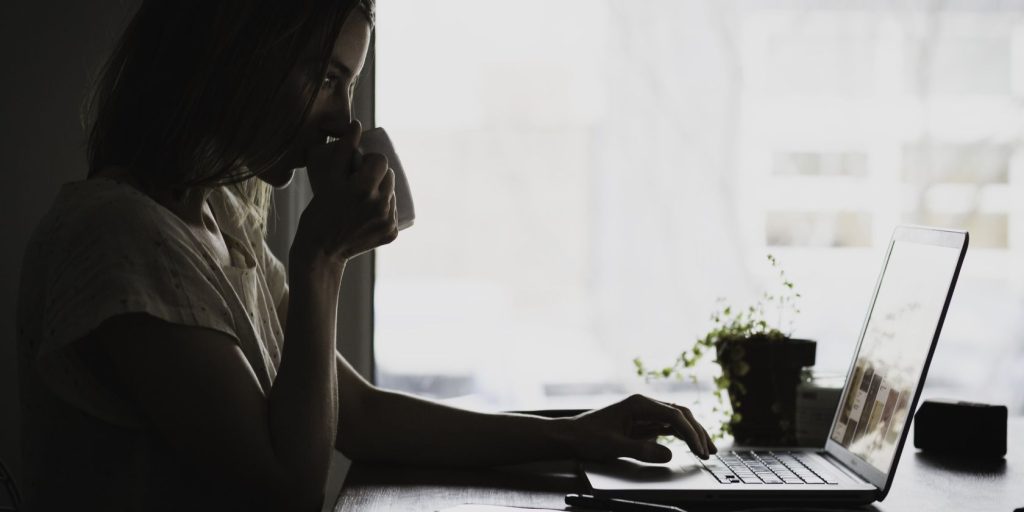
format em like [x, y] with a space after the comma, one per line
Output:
[899, 332]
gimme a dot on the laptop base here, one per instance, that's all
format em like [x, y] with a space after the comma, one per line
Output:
[686, 480]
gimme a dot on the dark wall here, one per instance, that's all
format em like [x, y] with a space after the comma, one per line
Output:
[49, 52]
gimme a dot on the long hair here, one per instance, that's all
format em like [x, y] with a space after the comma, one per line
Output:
[196, 92]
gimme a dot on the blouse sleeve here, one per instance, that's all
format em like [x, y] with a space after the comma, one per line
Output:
[111, 262]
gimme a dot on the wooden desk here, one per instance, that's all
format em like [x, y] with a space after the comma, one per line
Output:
[923, 482]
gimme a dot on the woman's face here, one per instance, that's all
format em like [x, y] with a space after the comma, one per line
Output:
[332, 109]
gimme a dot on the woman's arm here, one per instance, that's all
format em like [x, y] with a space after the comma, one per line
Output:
[202, 397]
[387, 426]
[375, 424]
[269, 451]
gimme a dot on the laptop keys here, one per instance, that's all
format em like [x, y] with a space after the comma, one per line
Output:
[750, 467]
[727, 478]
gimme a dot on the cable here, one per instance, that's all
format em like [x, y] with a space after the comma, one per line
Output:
[799, 509]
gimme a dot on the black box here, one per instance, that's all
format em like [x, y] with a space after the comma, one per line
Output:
[964, 429]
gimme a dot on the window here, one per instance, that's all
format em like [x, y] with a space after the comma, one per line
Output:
[590, 175]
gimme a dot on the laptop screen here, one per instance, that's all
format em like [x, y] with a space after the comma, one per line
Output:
[896, 341]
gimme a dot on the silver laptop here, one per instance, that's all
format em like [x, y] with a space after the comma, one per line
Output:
[858, 462]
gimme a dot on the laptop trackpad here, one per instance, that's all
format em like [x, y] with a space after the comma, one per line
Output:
[683, 471]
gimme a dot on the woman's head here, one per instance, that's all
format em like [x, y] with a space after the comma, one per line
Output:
[202, 93]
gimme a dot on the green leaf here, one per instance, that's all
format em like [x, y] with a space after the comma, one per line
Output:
[742, 368]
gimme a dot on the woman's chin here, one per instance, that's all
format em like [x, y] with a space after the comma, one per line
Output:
[278, 179]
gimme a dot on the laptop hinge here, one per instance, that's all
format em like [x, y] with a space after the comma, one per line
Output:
[850, 472]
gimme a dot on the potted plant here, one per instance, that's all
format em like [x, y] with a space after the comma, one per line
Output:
[761, 366]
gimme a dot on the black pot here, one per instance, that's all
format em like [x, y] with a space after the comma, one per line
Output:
[763, 373]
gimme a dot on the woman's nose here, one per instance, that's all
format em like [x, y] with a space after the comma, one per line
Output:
[337, 111]
[336, 123]
[341, 129]
[344, 109]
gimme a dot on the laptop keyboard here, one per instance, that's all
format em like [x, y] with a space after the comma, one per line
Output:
[765, 467]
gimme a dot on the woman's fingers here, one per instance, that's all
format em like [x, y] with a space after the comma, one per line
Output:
[354, 208]
[390, 228]
[386, 188]
[381, 199]
[374, 171]
[393, 209]
[648, 430]
[712, 449]
[646, 451]
[650, 409]
[709, 443]
[629, 429]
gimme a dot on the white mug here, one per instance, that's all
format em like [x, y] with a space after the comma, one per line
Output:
[376, 140]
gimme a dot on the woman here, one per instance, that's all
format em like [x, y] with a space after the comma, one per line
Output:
[168, 361]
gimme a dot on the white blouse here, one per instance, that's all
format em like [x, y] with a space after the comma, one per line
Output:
[105, 249]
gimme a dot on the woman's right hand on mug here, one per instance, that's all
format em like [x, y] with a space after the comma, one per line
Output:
[353, 207]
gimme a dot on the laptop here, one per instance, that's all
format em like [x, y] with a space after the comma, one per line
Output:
[858, 462]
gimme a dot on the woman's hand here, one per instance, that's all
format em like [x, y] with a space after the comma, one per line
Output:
[629, 429]
[353, 207]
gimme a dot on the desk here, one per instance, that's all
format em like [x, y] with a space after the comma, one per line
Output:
[923, 482]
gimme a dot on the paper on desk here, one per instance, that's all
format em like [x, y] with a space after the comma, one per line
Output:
[489, 508]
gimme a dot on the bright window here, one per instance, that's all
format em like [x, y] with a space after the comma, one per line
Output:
[590, 175]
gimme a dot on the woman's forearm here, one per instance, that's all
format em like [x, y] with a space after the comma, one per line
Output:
[302, 404]
[396, 427]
